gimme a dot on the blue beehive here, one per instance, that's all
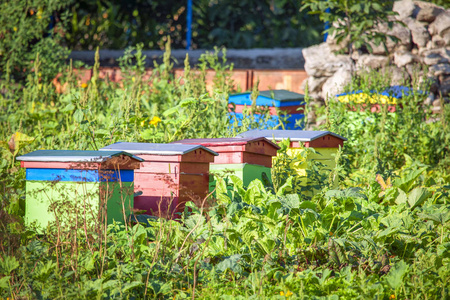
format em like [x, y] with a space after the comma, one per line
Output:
[388, 95]
[277, 101]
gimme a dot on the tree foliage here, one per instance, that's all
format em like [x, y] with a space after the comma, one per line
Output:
[28, 28]
[229, 23]
[352, 21]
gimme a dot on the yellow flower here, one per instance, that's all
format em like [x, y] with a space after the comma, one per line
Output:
[142, 123]
[155, 121]
[39, 13]
[392, 296]
[133, 79]
[84, 85]
[287, 294]
[15, 28]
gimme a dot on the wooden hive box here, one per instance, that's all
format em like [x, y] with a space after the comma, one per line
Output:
[169, 176]
[62, 185]
[277, 101]
[247, 158]
[325, 143]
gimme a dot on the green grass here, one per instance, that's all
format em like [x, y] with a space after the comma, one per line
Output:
[382, 234]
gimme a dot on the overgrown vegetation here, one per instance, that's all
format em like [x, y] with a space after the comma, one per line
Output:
[383, 233]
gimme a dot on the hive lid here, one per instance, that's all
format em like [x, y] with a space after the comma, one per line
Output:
[278, 98]
[282, 95]
[226, 141]
[156, 149]
[293, 135]
[73, 156]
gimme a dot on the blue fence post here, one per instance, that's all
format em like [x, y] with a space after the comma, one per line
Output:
[189, 25]
[327, 25]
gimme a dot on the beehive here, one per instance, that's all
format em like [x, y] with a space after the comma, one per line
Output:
[90, 186]
[247, 158]
[375, 99]
[325, 143]
[169, 176]
[277, 101]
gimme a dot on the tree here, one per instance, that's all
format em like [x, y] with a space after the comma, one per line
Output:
[354, 22]
[28, 28]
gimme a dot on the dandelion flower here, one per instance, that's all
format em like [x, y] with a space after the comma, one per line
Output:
[281, 293]
[84, 85]
[39, 13]
[289, 293]
[392, 296]
[155, 121]
[15, 28]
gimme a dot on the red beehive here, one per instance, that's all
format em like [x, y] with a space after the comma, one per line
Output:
[247, 158]
[169, 176]
[257, 151]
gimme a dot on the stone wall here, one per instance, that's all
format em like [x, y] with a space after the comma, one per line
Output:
[423, 39]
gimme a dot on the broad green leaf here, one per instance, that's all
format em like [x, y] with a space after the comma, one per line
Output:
[229, 263]
[395, 276]
[417, 196]
[131, 285]
[353, 192]
[8, 264]
[78, 115]
[171, 111]
[4, 282]
[402, 198]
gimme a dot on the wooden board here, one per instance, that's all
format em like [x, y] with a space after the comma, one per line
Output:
[290, 80]
[275, 111]
[76, 175]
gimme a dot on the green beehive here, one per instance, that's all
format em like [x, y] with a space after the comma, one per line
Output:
[325, 143]
[248, 159]
[73, 186]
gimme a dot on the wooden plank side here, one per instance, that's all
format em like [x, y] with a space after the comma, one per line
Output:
[156, 184]
[221, 148]
[75, 175]
[160, 158]
[198, 155]
[244, 157]
[60, 165]
[257, 159]
[159, 167]
[229, 158]
[121, 162]
[327, 141]
[193, 187]
[194, 168]
[160, 206]
[263, 147]
[274, 111]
